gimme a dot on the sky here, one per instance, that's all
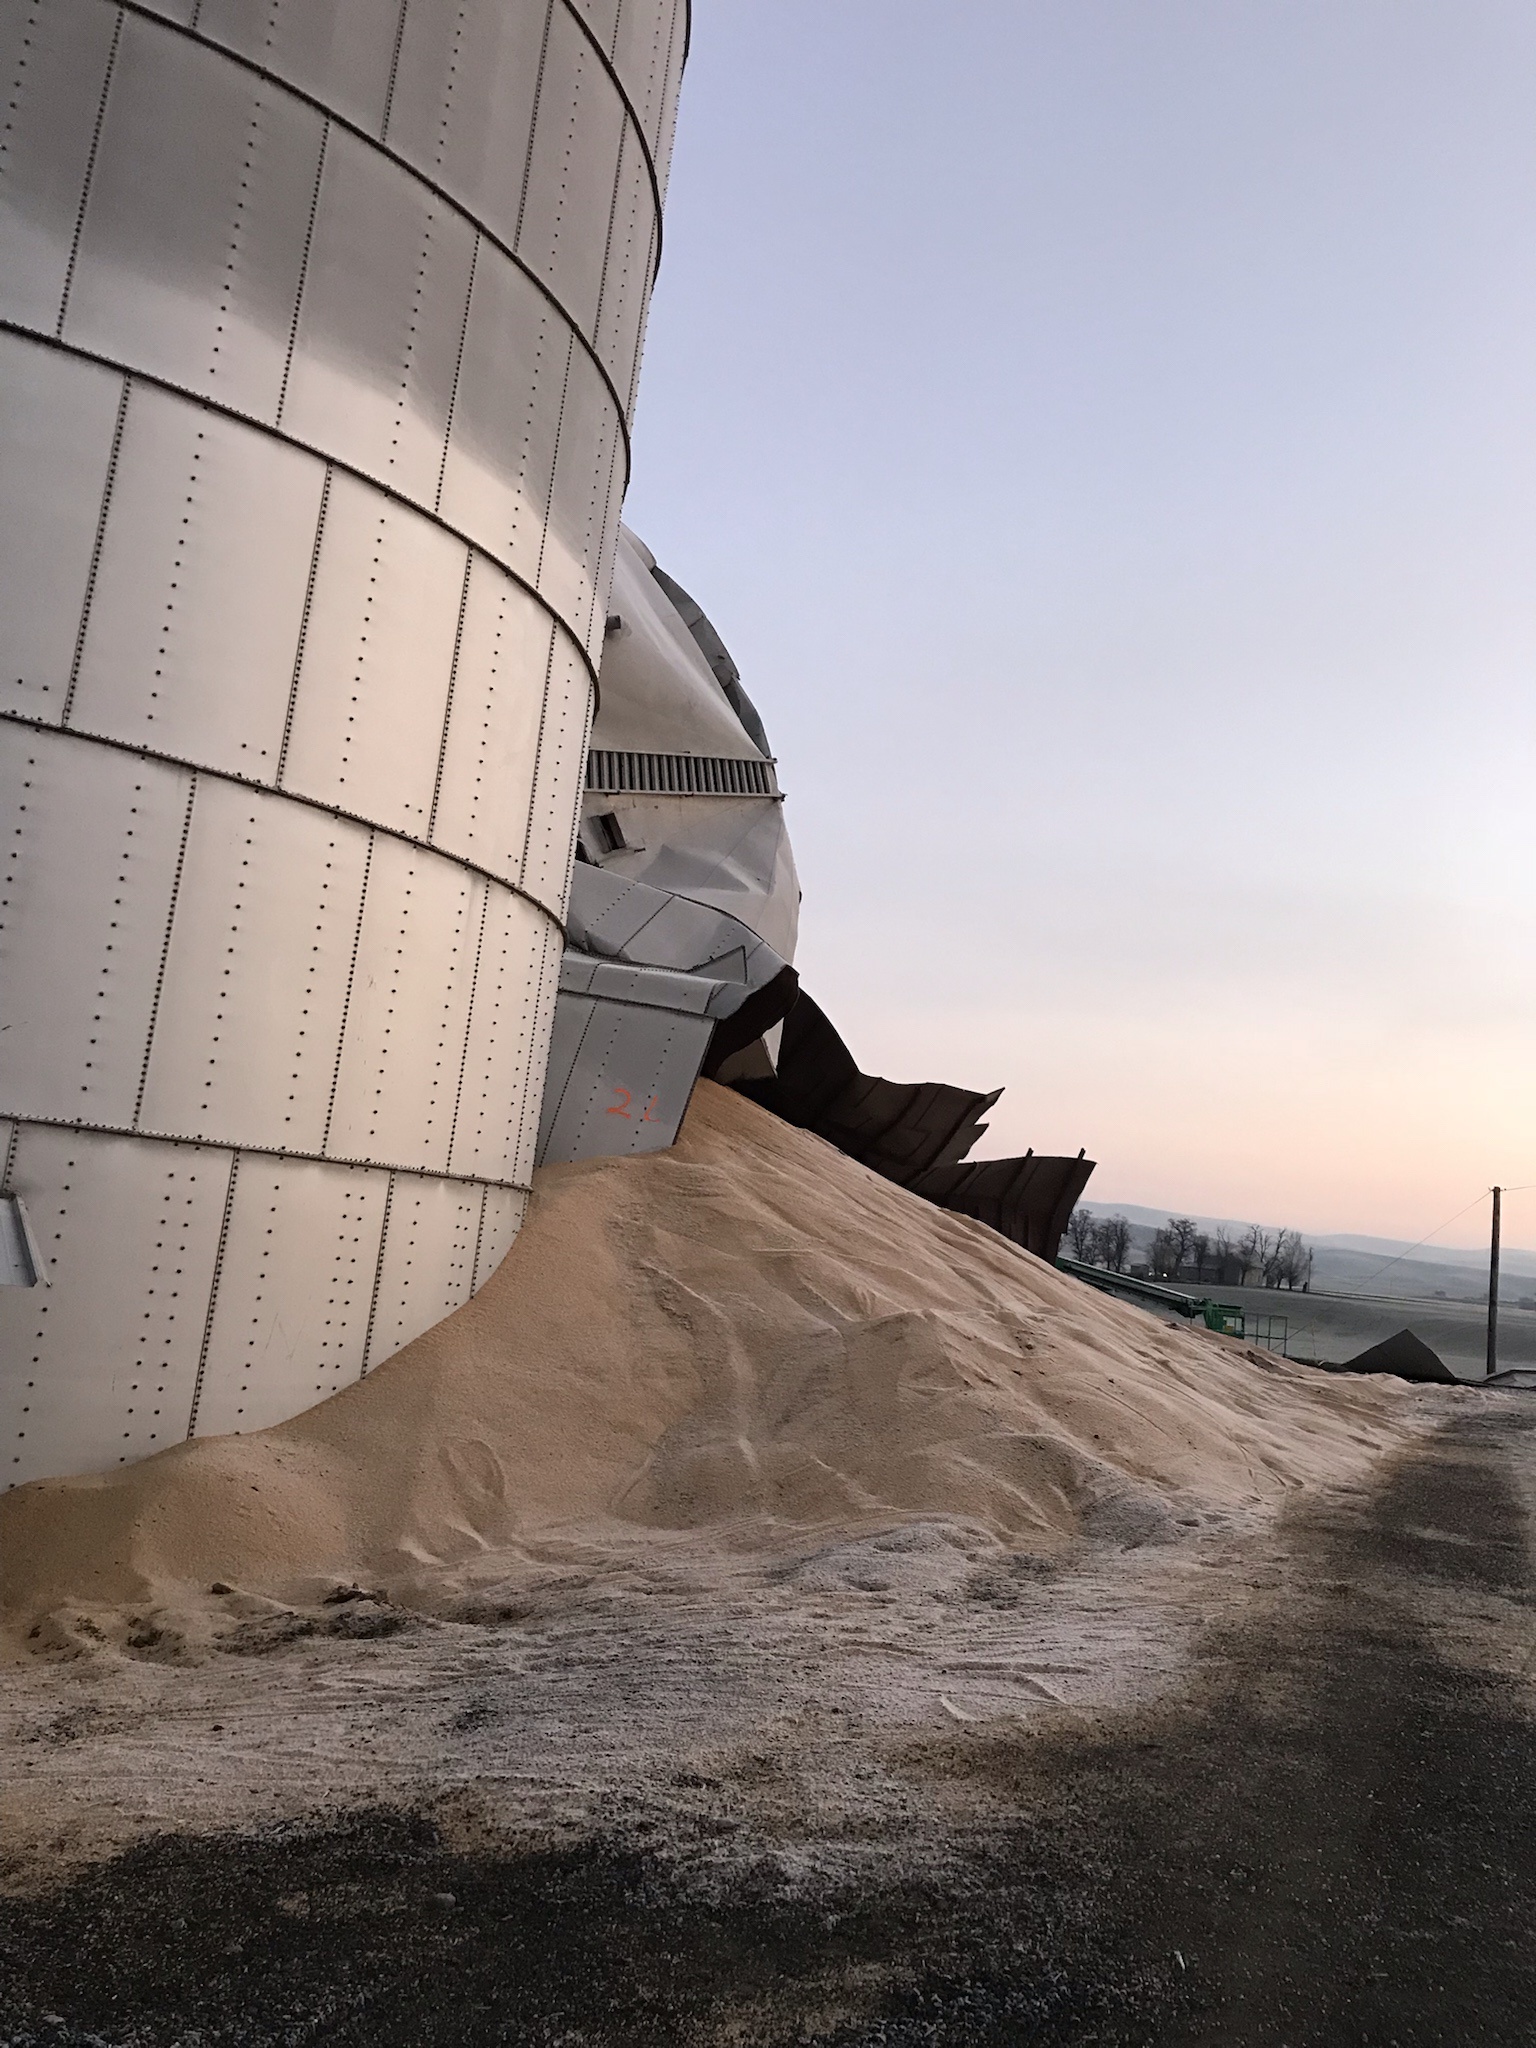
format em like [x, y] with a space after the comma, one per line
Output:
[1102, 432]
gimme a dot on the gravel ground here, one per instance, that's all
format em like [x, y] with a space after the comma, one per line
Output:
[1214, 1785]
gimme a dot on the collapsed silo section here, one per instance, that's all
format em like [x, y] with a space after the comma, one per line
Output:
[319, 329]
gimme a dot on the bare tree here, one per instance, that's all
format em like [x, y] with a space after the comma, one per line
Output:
[1292, 1261]
[1224, 1256]
[1200, 1251]
[1257, 1252]
[1083, 1235]
[1115, 1242]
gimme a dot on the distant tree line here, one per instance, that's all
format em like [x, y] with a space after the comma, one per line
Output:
[1181, 1250]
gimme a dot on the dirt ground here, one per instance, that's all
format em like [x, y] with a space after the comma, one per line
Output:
[1231, 1782]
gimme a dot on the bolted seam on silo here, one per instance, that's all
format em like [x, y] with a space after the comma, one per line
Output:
[316, 349]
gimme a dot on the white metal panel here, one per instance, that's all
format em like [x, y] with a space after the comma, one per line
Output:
[485, 789]
[601, 17]
[372, 689]
[338, 51]
[493, 1094]
[408, 1013]
[199, 591]
[672, 78]
[87, 874]
[256, 973]
[295, 1283]
[377, 344]
[563, 235]
[641, 53]
[57, 418]
[428, 1263]
[558, 780]
[500, 1222]
[98, 1367]
[506, 418]
[53, 65]
[625, 1086]
[192, 245]
[627, 270]
[462, 107]
[577, 534]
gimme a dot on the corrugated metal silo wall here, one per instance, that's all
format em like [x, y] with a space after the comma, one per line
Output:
[319, 328]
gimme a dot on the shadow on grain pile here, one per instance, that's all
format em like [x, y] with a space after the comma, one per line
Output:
[1329, 1841]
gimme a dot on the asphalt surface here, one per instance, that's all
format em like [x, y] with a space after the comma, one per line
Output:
[1331, 1839]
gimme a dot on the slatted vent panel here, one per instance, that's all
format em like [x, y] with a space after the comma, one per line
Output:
[679, 774]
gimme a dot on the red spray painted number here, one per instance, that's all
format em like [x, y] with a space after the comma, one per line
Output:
[648, 1115]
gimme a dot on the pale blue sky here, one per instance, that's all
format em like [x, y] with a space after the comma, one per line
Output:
[1102, 431]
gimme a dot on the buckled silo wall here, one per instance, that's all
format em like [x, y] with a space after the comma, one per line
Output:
[319, 329]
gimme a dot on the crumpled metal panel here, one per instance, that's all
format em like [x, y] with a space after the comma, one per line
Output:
[623, 920]
[295, 1287]
[1028, 1200]
[58, 416]
[193, 235]
[620, 1075]
[199, 592]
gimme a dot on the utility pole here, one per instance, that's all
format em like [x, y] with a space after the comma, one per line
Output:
[1493, 1289]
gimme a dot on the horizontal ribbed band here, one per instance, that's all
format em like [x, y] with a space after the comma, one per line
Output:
[617, 773]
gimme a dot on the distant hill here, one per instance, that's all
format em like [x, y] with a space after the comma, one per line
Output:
[1347, 1263]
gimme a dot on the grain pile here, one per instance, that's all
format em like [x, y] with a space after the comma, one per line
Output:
[750, 1338]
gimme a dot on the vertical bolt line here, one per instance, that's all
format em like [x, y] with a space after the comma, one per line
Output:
[90, 173]
[346, 1006]
[538, 755]
[394, 71]
[298, 297]
[453, 677]
[469, 1020]
[458, 367]
[474, 1264]
[11, 1145]
[165, 951]
[613, 214]
[533, 124]
[378, 1275]
[96, 548]
[554, 461]
[213, 1296]
[309, 600]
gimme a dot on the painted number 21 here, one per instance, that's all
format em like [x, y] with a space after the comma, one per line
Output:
[620, 1107]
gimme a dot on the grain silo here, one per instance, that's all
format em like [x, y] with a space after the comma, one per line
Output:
[319, 329]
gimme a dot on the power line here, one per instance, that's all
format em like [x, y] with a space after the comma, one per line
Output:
[1400, 1256]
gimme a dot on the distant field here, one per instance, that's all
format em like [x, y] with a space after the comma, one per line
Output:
[1334, 1328]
